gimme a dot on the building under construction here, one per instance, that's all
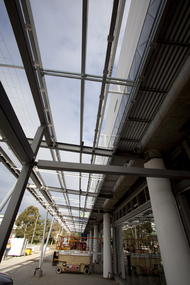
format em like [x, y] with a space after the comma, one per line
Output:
[102, 145]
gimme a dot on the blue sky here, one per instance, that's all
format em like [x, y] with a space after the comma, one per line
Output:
[58, 24]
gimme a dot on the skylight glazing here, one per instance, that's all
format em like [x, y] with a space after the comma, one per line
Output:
[58, 27]
[58, 47]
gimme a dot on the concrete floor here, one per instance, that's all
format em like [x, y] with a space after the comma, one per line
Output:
[22, 271]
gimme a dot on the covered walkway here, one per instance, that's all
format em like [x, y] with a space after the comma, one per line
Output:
[22, 271]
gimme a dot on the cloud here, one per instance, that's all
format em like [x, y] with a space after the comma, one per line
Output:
[7, 182]
[58, 24]
[8, 36]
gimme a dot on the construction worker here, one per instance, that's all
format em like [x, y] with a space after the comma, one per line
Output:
[8, 247]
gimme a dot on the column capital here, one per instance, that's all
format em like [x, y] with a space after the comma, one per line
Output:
[153, 153]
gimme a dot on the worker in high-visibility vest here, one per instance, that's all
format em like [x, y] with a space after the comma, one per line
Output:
[8, 247]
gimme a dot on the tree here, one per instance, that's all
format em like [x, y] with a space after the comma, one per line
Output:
[30, 226]
[26, 222]
[54, 231]
[141, 232]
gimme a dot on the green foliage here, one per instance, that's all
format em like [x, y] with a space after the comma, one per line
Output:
[29, 223]
[141, 232]
[55, 226]
[54, 231]
[127, 234]
[26, 222]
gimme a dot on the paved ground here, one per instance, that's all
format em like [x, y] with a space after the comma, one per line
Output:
[22, 271]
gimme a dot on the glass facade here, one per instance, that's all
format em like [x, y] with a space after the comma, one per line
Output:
[138, 258]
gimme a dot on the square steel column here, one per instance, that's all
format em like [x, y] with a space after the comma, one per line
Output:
[13, 207]
[15, 201]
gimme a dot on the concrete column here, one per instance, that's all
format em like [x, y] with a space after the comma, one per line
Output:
[172, 240]
[120, 254]
[95, 244]
[88, 235]
[90, 241]
[107, 265]
[114, 251]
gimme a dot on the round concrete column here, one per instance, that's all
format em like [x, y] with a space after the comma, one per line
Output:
[172, 240]
[95, 244]
[88, 235]
[107, 266]
[90, 240]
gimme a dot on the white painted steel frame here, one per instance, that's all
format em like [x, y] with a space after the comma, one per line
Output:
[113, 170]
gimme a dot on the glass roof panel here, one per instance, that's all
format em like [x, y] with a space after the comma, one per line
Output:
[122, 30]
[69, 156]
[84, 182]
[64, 97]
[86, 158]
[98, 30]
[72, 180]
[74, 200]
[59, 28]
[58, 197]
[17, 89]
[44, 153]
[64, 211]
[50, 178]
[9, 50]
[75, 212]
[82, 201]
[14, 80]
[59, 32]
[90, 202]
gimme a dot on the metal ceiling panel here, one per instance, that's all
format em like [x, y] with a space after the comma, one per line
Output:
[162, 64]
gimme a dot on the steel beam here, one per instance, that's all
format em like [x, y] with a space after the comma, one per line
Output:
[146, 206]
[8, 163]
[152, 90]
[37, 139]
[34, 228]
[105, 196]
[113, 170]
[70, 191]
[13, 207]
[88, 77]
[129, 140]
[12, 66]
[73, 208]
[35, 179]
[44, 251]
[82, 76]
[43, 240]
[17, 195]
[105, 71]
[12, 129]
[16, 18]
[89, 150]
[83, 62]
[138, 120]
[77, 217]
[3, 203]
[172, 43]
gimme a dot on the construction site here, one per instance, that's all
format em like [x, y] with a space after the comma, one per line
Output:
[94, 131]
